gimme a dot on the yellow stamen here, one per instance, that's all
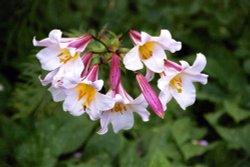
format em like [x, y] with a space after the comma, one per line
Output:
[146, 50]
[119, 108]
[87, 92]
[176, 83]
[65, 56]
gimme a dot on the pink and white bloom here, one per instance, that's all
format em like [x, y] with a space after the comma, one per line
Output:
[65, 77]
[177, 81]
[85, 96]
[61, 56]
[121, 115]
[150, 51]
[59, 50]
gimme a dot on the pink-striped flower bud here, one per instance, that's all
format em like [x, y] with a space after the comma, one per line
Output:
[135, 36]
[115, 73]
[93, 73]
[86, 60]
[171, 64]
[150, 95]
[81, 43]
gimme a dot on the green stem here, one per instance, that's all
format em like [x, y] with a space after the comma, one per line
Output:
[101, 42]
[96, 52]
[123, 35]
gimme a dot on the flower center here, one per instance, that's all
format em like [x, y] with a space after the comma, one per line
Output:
[87, 92]
[65, 56]
[176, 83]
[119, 108]
[146, 50]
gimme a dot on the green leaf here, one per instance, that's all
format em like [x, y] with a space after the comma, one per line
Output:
[184, 130]
[247, 66]
[191, 150]
[237, 137]
[237, 113]
[52, 137]
[100, 160]
[130, 155]
[109, 143]
[157, 159]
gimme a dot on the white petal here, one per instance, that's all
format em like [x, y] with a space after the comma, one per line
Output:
[145, 37]
[156, 62]
[48, 78]
[57, 94]
[125, 96]
[140, 100]
[57, 79]
[144, 114]
[139, 106]
[72, 51]
[48, 58]
[119, 99]
[199, 64]
[187, 96]
[52, 41]
[70, 74]
[124, 120]
[165, 33]
[165, 97]
[98, 84]
[93, 112]
[55, 35]
[103, 102]
[149, 75]
[132, 60]
[163, 82]
[184, 64]
[104, 120]
[202, 78]
[44, 42]
[166, 41]
[72, 105]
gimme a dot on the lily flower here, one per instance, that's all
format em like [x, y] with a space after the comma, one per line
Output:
[59, 50]
[150, 50]
[150, 95]
[85, 96]
[177, 81]
[61, 57]
[67, 74]
[121, 115]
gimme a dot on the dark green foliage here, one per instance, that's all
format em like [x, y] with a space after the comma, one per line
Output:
[34, 131]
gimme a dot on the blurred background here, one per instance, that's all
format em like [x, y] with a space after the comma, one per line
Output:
[214, 132]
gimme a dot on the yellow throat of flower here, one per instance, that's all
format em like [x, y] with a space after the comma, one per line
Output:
[119, 108]
[176, 83]
[146, 50]
[87, 92]
[65, 56]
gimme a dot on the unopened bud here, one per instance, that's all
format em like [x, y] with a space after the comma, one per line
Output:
[150, 95]
[115, 73]
[135, 36]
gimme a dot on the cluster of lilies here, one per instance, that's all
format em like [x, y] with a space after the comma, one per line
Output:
[73, 78]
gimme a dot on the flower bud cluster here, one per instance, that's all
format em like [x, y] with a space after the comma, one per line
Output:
[74, 80]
